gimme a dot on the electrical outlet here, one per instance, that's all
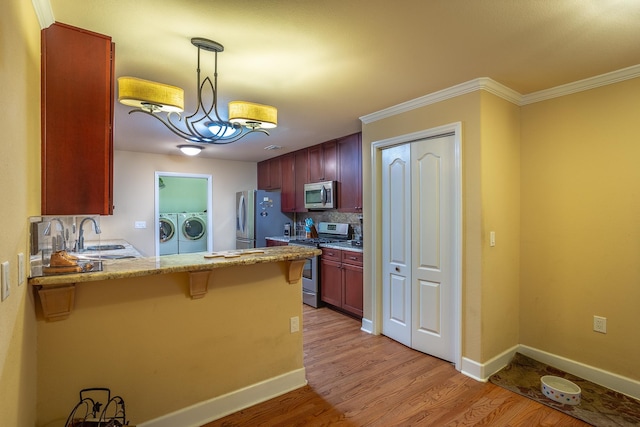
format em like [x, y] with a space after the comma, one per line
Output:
[600, 324]
[21, 266]
[4, 278]
[140, 224]
[294, 324]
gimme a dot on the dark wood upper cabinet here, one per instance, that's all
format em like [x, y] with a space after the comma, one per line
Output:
[301, 170]
[275, 173]
[77, 121]
[263, 175]
[269, 174]
[338, 160]
[315, 168]
[288, 188]
[323, 161]
[350, 173]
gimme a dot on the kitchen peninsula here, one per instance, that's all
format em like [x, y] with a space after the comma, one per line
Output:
[175, 332]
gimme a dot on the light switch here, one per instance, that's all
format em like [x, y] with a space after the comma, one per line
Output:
[492, 238]
[4, 279]
[140, 224]
[21, 268]
[294, 324]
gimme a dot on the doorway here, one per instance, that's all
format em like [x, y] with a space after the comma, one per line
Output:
[188, 198]
[418, 216]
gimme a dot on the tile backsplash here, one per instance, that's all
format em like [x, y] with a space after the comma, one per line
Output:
[353, 219]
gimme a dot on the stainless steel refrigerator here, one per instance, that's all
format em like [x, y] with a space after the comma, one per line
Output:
[258, 216]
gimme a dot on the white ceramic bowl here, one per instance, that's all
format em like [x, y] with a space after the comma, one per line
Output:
[560, 390]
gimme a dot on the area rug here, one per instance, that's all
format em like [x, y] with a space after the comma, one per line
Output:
[599, 406]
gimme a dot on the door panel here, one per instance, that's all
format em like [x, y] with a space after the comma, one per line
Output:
[427, 214]
[399, 310]
[396, 229]
[429, 313]
[432, 186]
[417, 186]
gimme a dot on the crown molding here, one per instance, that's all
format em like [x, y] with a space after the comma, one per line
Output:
[498, 89]
[43, 12]
[484, 83]
[582, 85]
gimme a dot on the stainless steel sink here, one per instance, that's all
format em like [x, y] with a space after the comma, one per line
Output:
[89, 266]
[104, 248]
[96, 257]
[116, 256]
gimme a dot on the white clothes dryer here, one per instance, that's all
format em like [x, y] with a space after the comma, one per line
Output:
[192, 232]
[168, 238]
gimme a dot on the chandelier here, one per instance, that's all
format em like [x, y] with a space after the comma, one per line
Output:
[204, 125]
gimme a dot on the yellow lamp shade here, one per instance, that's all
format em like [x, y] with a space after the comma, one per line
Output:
[253, 115]
[150, 96]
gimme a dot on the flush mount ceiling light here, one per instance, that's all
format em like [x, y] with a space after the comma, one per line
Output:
[190, 149]
[205, 125]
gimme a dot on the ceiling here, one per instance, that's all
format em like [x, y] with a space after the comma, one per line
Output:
[326, 63]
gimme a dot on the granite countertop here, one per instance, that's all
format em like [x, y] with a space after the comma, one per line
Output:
[280, 238]
[345, 246]
[194, 262]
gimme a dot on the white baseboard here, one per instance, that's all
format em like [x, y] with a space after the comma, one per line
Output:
[482, 371]
[367, 326]
[472, 369]
[610, 380]
[221, 406]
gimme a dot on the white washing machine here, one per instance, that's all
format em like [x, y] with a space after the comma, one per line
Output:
[168, 224]
[192, 232]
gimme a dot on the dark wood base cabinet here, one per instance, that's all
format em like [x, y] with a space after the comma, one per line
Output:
[271, 242]
[341, 280]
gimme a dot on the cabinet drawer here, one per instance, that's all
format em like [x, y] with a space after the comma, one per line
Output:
[351, 257]
[332, 254]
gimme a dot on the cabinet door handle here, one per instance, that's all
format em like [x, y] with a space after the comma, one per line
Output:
[353, 258]
[398, 269]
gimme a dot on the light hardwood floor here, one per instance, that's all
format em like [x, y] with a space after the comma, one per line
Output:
[357, 379]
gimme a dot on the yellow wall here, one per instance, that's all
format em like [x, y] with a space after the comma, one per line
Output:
[150, 343]
[581, 226]
[559, 183]
[579, 235]
[465, 109]
[20, 198]
[500, 181]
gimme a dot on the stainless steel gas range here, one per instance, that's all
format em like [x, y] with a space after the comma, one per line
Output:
[328, 232]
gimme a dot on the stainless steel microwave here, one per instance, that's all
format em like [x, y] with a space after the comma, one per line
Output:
[320, 195]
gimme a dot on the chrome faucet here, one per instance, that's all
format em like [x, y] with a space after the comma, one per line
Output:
[96, 228]
[59, 242]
